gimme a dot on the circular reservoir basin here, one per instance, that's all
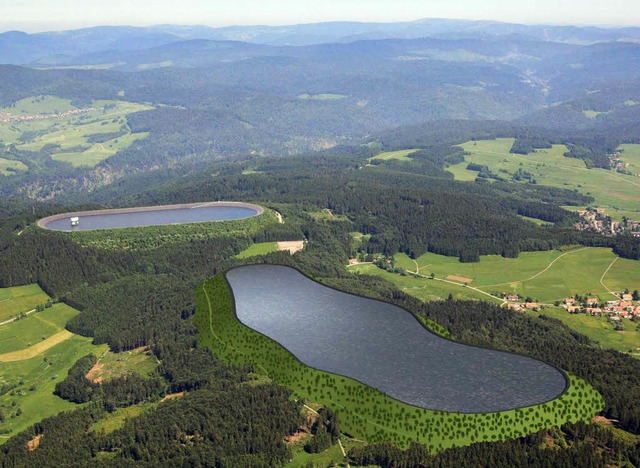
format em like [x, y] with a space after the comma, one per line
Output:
[385, 347]
[150, 216]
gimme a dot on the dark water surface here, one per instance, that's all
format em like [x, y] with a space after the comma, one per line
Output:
[196, 214]
[384, 346]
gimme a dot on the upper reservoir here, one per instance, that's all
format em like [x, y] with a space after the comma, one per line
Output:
[150, 216]
[384, 346]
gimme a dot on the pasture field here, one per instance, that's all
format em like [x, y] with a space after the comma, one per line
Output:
[631, 155]
[114, 365]
[26, 387]
[364, 412]
[330, 457]
[81, 139]
[546, 276]
[14, 301]
[611, 190]
[402, 155]
[262, 248]
[423, 288]
[599, 329]
[30, 330]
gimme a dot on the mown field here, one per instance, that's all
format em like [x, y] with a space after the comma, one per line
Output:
[546, 276]
[115, 365]
[422, 288]
[14, 301]
[262, 248]
[82, 139]
[364, 412]
[34, 328]
[618, 193]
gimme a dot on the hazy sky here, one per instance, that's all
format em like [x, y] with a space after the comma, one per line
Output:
[39, 15]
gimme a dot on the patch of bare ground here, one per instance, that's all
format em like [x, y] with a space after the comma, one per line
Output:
[303, 431]
[291, 246]
[172, 396]
[34, 443]
[603, 420]
[93, 373]
[459, 279]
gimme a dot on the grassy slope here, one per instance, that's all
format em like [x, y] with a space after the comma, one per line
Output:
[14, 301]
[617, 192]
[258, 249]
[30, 330]
[9, 164]
[364, 412]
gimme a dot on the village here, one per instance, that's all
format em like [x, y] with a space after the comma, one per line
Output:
[626, 307]
[597, 220]
[7, 117]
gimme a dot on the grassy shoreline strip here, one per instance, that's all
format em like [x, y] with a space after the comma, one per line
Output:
[366, 413]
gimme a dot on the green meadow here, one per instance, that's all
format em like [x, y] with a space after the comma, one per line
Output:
[402, 155]
[618, 193]
[82, 139]
[545, 276]
[262, 248]
[14, 301]
[364, 412]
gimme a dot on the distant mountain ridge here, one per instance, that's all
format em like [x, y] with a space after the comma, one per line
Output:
[52, 47]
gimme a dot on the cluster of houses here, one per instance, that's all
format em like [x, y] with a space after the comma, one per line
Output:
[617, 164]
[596, 220]
[6, 117]
[626, 307]
[515, 303]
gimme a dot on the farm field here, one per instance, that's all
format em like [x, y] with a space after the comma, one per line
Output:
[14, 301]
[114, 365]
[599, 329]
[546, 276]
[611, 190]
[402, 155]
[364, 412]
[83, 137]
[29, 331]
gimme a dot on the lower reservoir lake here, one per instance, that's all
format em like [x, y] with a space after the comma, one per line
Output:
[384, 346]
[150, 216]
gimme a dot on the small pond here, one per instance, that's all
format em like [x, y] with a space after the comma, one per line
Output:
[384, 346]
